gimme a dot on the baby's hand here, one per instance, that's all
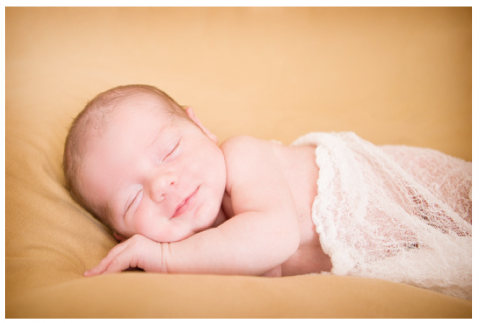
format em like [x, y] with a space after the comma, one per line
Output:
[138, 251]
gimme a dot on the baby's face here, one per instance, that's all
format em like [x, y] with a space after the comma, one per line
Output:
[158, 174]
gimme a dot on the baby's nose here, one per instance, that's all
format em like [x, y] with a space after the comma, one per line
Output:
[161, 184]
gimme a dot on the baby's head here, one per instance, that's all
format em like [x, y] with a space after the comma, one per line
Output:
[144, 165]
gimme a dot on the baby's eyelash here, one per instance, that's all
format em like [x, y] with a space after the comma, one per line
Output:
[171, 151]
[131, 203]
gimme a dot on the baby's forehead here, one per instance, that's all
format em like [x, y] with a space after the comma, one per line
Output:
[136, 121]
[129, 114]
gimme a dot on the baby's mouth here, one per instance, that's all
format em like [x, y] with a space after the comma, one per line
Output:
[184, 205]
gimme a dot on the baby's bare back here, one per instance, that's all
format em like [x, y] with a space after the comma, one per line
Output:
[301, 172]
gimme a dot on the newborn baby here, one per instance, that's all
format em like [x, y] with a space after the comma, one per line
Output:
[179, 203]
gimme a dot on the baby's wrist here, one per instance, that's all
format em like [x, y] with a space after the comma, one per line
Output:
[165, 256]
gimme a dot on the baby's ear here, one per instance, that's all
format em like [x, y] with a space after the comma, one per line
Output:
[119, 237]
[194, 118]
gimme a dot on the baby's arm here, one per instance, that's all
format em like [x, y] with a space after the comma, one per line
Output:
[262, 235]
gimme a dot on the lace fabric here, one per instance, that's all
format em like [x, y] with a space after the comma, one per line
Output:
[398, 213]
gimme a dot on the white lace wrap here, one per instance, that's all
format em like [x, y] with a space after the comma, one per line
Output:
[398, 213]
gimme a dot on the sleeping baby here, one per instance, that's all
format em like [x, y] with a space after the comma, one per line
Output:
[329, 203]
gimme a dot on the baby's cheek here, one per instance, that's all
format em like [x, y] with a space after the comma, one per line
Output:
[142, 225]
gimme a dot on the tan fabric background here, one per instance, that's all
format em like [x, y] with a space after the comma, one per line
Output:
[392, 75]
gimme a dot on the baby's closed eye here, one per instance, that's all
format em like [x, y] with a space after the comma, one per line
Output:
[133, 203]
[171, 153]
[174, 152]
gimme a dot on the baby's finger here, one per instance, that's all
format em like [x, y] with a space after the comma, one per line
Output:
[102, 266]
[122, 261]
[98, 269]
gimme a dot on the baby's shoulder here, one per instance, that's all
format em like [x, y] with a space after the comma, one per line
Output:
[241, 149]
[239, 144]
[246, 155]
